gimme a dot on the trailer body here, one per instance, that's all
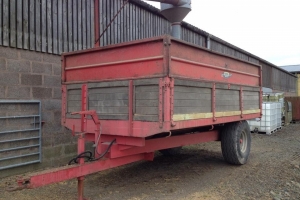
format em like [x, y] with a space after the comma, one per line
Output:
[143, 88]
[160, 93]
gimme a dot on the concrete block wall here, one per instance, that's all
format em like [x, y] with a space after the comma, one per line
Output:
[28, 74]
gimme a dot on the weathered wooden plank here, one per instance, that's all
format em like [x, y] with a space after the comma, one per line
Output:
[116, 96]
[12, 24]
[254, 89]
[79, 27]
[186, 89]
[192, 102]
[187, 110]
[248, 93]
[148, 88]
[146, 110]
[110, 110]
[74, 109]
[73, 103]
[60, 26]
[76, 92]
[152, 81]
[74, 97]
[148, 118]
[187, 96]
[19, 24]
[88, 24]
[221, 102]
[225, 86]
[223, 108]
[227, 92]
[75, 27]
[250, 98]
[146, 95]
[146, 103]
[55, 26]
[44, 25]
[49, 27]
[38, 40]
[108, 90]
[180, 82]
[108, 84]
[84, 25]
[108, 103]
[113, 116]
[65, 26]
[70, 25]
[228, 97]
[32, 25]
[251, 107]
[77, 86]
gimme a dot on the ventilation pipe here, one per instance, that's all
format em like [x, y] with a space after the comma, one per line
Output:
[175, 11]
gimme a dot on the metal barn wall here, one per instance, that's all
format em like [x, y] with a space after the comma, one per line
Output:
[56, 26]
[132, 23]
[52, 26]
[138, 20]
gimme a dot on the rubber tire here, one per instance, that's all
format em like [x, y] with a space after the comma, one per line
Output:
[171, 152]
[230, 142]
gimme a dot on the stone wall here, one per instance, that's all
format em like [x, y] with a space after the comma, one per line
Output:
[26, 75]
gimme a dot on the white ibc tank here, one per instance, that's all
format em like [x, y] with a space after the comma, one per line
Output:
[270, 120]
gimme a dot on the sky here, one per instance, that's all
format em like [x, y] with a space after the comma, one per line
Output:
[269, 29]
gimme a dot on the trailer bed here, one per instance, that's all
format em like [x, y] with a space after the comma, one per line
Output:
[158, 85]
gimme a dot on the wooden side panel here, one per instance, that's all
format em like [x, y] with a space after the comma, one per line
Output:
[109, 99]
[227, 100]
[146, 100]
[251, 100]
[73, 99]
[191, 100]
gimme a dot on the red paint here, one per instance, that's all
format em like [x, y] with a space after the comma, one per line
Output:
[161, 57]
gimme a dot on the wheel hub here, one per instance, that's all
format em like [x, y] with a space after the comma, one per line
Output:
[243, 142]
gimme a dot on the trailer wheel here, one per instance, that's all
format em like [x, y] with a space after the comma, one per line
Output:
[236, 142]
[171, 152]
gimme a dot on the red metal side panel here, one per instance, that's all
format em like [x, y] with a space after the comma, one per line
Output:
[195, 63]
[143, 59]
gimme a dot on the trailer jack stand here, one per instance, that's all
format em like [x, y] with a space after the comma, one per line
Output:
[80, 188]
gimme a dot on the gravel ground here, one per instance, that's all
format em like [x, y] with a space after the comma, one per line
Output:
[199, 172]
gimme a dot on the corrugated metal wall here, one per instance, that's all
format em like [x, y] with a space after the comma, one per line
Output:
[51, 26]
[56, 26]
[132, 23]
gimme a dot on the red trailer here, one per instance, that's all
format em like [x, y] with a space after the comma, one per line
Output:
[134, 98]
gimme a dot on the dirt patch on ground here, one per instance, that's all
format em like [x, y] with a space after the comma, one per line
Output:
[199, 172]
